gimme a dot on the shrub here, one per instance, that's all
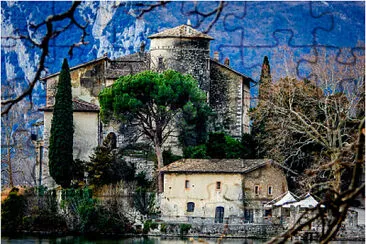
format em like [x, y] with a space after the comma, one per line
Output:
[163, 228]
[169, 157]
[41, 212]
[199, 151]
[184, 228]
[80, 207]
[144, 201]
[142, 181]
[149, 224]
[12, 211]
[105, 168]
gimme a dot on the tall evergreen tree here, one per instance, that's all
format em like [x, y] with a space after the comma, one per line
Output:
[259, 122]
[265, 78]
[62, 130]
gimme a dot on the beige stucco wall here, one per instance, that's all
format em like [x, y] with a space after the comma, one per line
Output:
[85, 134]
[203, 193]
[206, 198]
[85, 139]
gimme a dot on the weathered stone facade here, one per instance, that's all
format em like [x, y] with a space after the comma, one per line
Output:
[220, 191]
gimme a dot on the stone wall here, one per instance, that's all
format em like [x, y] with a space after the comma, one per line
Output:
[229, 98]
[265, 177]
[142, 165]
[185, 55]
[259, 231]
[87, 81]
[116, 69]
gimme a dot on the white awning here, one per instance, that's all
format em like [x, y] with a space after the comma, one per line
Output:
[307, 202]
[281, 200]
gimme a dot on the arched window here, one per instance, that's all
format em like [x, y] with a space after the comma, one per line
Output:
[190, 207]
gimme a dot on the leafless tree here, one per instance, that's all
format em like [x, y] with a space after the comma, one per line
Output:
[326, 113]
[17, 154]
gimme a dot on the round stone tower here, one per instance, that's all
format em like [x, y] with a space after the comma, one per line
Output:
[183, 49]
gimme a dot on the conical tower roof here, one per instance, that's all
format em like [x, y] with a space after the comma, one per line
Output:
[185, 31]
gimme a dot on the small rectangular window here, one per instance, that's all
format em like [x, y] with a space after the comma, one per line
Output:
[187, 184]
[190, 207]
[270, 190]
[256, 190]
[218, 185]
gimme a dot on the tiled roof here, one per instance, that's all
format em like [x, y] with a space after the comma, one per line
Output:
[181, 31]
[231, 69]
[215, 165]
[78, 106]
[77, 67]
[134, 57]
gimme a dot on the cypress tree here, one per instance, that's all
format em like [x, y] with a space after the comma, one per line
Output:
[266, 71]
[62, 130]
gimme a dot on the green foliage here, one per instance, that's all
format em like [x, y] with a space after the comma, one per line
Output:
[149, 225]
[79, 168]
[142, 181]
[12, 211]
[41, 213]
[199, 151]
[144, 201]
[88, 215]
[105, 168]
[62, 130]
[220, 145]
[81, 207]
[169, 157]
[152, 101]
[163, 228]
[184, 228]
[216, 145]
[134, 94]
[249, 146]
[194, 125]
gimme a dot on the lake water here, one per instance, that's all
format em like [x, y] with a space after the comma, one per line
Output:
[132, 240]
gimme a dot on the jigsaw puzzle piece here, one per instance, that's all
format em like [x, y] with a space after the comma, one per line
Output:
[342, 17]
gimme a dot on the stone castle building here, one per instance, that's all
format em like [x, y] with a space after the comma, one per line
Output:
[183, 49]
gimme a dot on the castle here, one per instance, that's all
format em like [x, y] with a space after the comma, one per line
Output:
[183, 49]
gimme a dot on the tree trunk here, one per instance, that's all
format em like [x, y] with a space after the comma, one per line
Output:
[159, 157]
[10, 169]
[337, 173]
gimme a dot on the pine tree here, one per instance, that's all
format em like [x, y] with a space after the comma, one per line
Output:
[61, 139]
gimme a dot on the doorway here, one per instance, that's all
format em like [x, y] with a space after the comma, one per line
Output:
[219, 215]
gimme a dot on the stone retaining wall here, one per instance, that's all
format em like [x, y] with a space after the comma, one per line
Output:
[260, 231]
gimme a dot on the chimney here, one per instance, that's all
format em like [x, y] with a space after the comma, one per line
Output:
[216, 56]
[189, 22]
[227, 62]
